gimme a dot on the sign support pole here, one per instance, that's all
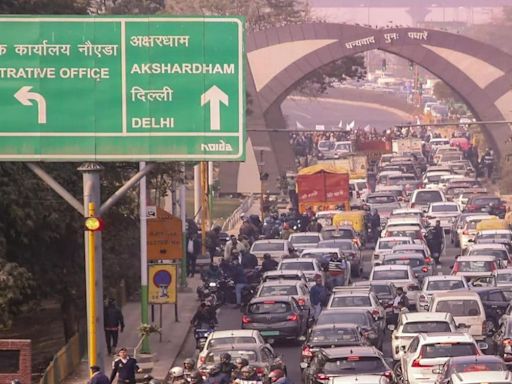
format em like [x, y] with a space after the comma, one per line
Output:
[143, 257]
[183, 216]
[204, 208]
[94, 275]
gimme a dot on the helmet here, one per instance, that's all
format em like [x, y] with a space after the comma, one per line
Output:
[225, 357]
[195, 377]
[176, 372]
[189, 361]
[214, 369]
[275, 375]
[241, 361]
[247, 371]
[266, 256]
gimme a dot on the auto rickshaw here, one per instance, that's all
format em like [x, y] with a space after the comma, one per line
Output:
[357, 219]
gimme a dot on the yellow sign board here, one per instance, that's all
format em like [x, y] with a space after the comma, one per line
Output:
[164, 236]
[162, 283]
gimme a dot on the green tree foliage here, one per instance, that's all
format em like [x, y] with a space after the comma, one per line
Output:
[49, 7]
[443, 92]
[16, 287]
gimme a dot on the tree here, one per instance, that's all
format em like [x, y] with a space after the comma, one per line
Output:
[50, 7]
[16, 287]
[443, 92]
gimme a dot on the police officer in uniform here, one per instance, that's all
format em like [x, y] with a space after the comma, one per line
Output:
[125, 368]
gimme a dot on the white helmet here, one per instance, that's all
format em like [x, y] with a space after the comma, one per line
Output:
[177, 372]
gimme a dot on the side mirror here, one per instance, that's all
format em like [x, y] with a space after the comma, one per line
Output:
[483, 346]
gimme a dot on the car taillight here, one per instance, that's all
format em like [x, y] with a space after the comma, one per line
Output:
[260, 371]
[507, 342]
[416, 364]
[246, 319]
[301, 301]
[376, 256]
[375, 312]
[424, 269]
[428, 260]
[493, 266]
[306, 352]
[471, 207]
[293, 317]
[465, 232]
[322, 377]
[455, 267]
[388, 374]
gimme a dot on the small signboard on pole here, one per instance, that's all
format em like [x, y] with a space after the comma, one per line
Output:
[164, 235]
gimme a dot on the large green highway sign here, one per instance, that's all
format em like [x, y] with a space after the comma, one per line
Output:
[122, 88]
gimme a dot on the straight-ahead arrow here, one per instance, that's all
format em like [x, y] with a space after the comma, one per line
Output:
[24, 96]
[214, 96]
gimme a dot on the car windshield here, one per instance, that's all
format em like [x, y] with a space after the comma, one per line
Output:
[215, 342]
[355, 364]
[459, 307]
[334, 336]
[310, 239]
[504, 277]
[215, 357]
[474, 266]
[485, 201]
[381, 289]
[337, 233]
[297, 265]
[351, 301]
[444, 208]
[389, 244]
[343, 147]
[400, 274]
[477, 366]
[385, 199]
[343, 245]
[269, 307]
[278, 290]
[494, 236]
[325, 144]
[426, 326]
[267, 247]
[444, 285]
[423, 197]
[332, 317]
[434, 351]
[405, 261]
[499, 253]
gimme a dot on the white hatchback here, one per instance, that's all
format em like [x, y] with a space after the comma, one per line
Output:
[385, 245]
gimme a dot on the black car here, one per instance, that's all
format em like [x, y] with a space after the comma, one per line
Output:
[331, 336]
[276, 317]
[346, 361]
[487, 203]
[495, 304]
[462, 364]
[502, 340]
[363, 318]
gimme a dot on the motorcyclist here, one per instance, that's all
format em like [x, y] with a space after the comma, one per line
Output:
[188, 367]
[268, 263]
[205, 317]
[374, 222]
[436, 240]
[248, 375]
[277, 376]
[195, 378]
[240, 362]
[216, 376]
[212, 273]
[227, 366]
[286, 232]
[314, 225]
[177, 376]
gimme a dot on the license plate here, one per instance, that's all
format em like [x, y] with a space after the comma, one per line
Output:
[269, 333]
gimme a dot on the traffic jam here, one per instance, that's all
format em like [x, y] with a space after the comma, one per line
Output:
[400, 276]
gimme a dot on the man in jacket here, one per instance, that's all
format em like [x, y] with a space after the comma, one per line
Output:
[239, 279]
[318, 296]
[125, 368]
[113, 323]
[98, 377]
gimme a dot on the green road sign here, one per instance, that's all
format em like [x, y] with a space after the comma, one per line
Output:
[122, 88]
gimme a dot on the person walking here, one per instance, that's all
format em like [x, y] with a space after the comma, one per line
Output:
[212, 241]
[400, 302]
[98, 377]
[113, 323]
[124, 368]
[193, 250]
[240, 281]
[318, 296]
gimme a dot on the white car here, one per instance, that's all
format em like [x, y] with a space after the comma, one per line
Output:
[436, 284]
[468, 231]
[422, 198]
[446, 212]
[401, 276]
[484, 376]
[385, 245]
[310, 266]
[277, 248]
[503, 277]
[491, 249]
[234, 336]
[304, 240]
[297, 289]
[411, 324]
[475, 266]
[428, 351]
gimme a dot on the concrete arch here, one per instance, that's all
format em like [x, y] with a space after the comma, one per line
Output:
[280, 57]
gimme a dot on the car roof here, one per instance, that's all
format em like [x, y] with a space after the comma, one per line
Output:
[476, 258]
[495, 231]
[304, 234]
[487, 246]
[234, 332]
[424, 316]
[278, 298]
[382, 193]
[444, 203]
[389, 267]
[277, 283]
[351, 351]
[234, 347]
[335, 325]
[404, 227]
[483, 377]
[321, 250]
[409, 247]
[456, 294]
[299, 260]
[411, 255]
[476, 358]
[268, 241]
[444, 277]
[440, 337]
[393, 238]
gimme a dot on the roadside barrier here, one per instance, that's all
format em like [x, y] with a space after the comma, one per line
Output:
[235, 217]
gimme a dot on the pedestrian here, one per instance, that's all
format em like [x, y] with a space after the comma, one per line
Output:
[240, 281]
[195, 378]
[98, 377]
[232, 245]
[177, 376]
[240, 362]
[268, 264]
[193, 250]
[125, 368]
[399, 303]
[113, 323]
[488, 162]
[318, 296]
[212, 241]
[248, 260]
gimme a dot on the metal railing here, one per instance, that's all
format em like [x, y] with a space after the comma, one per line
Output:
[232, 221]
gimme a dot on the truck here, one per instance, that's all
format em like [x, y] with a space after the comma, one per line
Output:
[409, 145]
[355, 165]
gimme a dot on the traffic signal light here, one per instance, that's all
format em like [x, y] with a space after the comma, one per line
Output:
[384, 65]
[93, 224]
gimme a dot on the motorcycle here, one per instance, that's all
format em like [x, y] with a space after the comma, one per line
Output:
[201, 333]
[210, 291]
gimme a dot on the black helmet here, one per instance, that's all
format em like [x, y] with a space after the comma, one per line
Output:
[195, 377]
[214, 369]
[241, 361]
[225, 357]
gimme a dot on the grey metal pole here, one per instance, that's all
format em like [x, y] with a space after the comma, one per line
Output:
[91, 180]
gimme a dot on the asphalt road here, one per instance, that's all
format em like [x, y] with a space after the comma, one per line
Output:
[311, 112]
[230, 318]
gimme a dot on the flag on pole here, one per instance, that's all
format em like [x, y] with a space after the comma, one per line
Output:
[299, 125]
[351, 125]
[367, 129]
[340, 125]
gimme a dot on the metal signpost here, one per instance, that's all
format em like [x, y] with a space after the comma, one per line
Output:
[121, 88]
[91, 89]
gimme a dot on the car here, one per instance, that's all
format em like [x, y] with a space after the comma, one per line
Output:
[372, 329]
[468, 231]
[438, 283]
[321, 254]
[383, 202]
[350, 250]
[414, 232]
[428, 351]
[401, 276]
[277, 317]
[465, 195]
[466, 308]
[499, 251]
[229, 337]
[406, 220]
[284, 275]
[338, 232]
[304, 240]
[310, 266]
[461, 365]
[497, 236]
[325, 217]
[277, 248]
[382, 177]
[490, 204]
[338, 362]
[298, 289]
[413, 248]
[422, 198]
[503, 277]
[494, 377]
[411, 212]
[495, 305]
[419, 265]
[431, 179]
[458, 226]
[474, 266]
[385, 291]
[385, 245]
[260, 356]
[446, 212]
[358, 192]
[331, 336]
[502, 340]
[411, 324]
[408, 180]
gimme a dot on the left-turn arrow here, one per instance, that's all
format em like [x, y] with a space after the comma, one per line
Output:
[24, 96]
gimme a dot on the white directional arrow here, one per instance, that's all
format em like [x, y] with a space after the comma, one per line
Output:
[214, 96]
[24, 96]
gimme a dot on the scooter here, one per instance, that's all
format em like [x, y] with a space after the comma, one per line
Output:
[201, 333]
